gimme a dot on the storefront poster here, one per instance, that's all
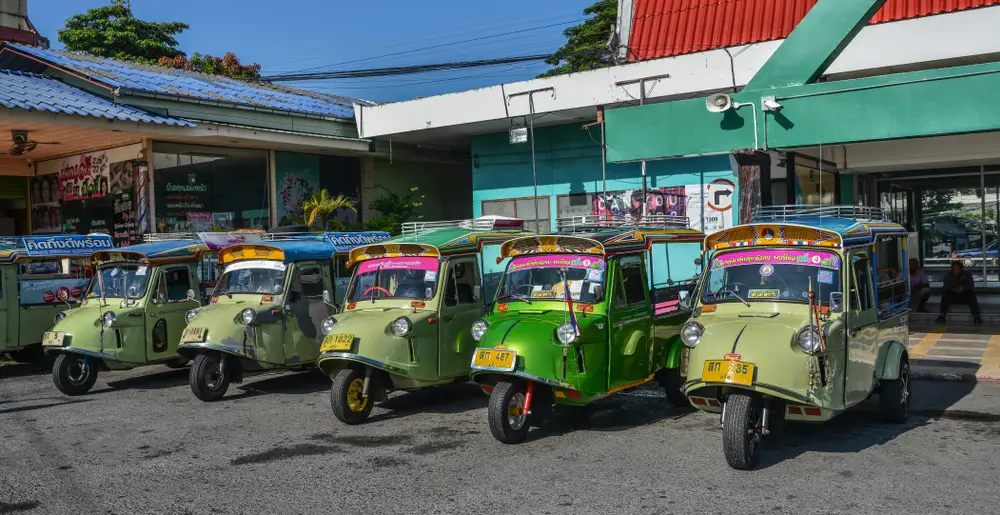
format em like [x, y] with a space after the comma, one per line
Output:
[708, 207]
[297, 177]
[84, 176]
[124, 220]
[45, 212]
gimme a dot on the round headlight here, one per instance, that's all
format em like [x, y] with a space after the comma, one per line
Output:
[566, 333]
[328, 324]
[401, 326]
[691, 333]
[479, 329]
[247, 316]
[108, 319]
[189, 316]
[59, 316]
[808, 339]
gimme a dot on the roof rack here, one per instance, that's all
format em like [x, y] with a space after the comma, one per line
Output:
[287, 236]
[597, 222]
[784, 213]
[483, 223]
[168, 236]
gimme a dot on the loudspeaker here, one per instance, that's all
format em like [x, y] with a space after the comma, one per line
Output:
[718, 103]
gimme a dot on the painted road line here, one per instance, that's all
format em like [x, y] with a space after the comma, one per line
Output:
[921, 347]
[990, 364]
[970, 355]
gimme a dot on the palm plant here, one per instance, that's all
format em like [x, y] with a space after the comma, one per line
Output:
[322, 205]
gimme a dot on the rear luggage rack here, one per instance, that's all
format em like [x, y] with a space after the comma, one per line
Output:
[596, 222]
[483, 223]
[787, 213]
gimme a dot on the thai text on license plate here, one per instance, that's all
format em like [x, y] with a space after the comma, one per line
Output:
[732, 372]
[337, 342]
[193, 334]
[498, 359]
[52, 339]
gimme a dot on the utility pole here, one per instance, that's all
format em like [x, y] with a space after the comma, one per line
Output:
[531, 136]
[642, 102]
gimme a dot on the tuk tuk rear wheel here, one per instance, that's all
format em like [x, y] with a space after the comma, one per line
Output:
[346, 400]
[74, 374]
[671, 381]
[209, 379]
[894, 396]
[508, 421]
[742, 431]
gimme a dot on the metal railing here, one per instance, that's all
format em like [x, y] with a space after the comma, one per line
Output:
[786, 213]
[486, 223]
[598, 222]
[168, 236]
[288, 236]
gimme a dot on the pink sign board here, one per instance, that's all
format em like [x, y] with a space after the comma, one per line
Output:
[556, 261]
[401, 263]
[814, 258]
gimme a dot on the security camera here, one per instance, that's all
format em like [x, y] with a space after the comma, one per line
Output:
[770, 104]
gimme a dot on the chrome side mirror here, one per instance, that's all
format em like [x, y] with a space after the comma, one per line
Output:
[836, 302]
[685, 302]
[190, 295]
[477, 292]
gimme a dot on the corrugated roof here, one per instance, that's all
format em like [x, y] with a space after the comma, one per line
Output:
[662, 28]
[181, 83]
[23, 90]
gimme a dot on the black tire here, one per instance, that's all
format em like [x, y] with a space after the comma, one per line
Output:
[345, 397]
[74, 374]
[894, 395]
[209, 379]
[741, 431]
[671, 381]
[177, 363]
[505, 428]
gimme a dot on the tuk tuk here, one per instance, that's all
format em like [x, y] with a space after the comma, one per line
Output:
[583, 314]
[405, 322]
[267, 310]
[771, 337]
[133, 312]
[40, 277]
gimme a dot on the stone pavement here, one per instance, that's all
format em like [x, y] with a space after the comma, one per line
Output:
[956, 352]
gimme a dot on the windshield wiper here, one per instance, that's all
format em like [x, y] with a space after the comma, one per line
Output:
[737, 295]
[518, 297]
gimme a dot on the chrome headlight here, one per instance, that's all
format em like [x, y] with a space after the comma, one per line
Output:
[691, 333]
[189, 316]
[247, 316]
[401, 326]
[566, 333]
[479, 329]
[108, 319]
[59, 316]
[808, 339]
[328, 324]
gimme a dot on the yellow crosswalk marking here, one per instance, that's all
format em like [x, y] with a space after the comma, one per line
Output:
[924, 345]
[990, 363]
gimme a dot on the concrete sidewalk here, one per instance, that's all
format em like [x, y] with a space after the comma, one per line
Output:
[955, 352]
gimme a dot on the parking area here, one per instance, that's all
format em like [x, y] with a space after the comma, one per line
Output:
[141, 443]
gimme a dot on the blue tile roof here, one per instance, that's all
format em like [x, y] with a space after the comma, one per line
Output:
[184, 84]
[22, 90]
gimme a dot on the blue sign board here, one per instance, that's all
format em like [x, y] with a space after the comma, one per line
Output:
[67, 245]
[346, 241]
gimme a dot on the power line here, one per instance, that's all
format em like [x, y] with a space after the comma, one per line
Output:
[403, 70]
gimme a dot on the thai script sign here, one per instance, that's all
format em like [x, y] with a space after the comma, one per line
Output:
[814, 258]
[556, 261]
[345, 241]
[53, 291]
[84, 176]
[66, 245]
[408, 263]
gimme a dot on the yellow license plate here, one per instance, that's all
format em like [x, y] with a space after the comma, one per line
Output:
[337, 342]
[498, 359]
[732, 372]
[52, 339]
[193, 334]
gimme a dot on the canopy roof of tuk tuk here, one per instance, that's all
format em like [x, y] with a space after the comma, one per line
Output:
[599, 242]
[812, 226]
[154, 253]
[51, 246]
[446, 241]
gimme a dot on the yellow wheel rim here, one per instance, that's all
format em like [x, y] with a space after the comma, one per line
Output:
[355, 401]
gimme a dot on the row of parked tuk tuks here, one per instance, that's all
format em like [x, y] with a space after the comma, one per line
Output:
[796, 316]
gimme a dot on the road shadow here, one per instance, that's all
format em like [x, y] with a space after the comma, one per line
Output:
[12, 370]
[861, 427]
[33, 407]
[446, 399]
[170, 378]
[271, 382]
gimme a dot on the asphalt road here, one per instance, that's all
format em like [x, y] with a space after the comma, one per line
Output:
[141, 443]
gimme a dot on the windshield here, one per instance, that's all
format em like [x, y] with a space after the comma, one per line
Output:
[122, 280]
[395, 278]
[540, 277]
[771, 274]
[255, 277]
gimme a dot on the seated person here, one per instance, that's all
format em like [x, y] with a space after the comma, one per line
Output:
[920, 287]
[958, 289]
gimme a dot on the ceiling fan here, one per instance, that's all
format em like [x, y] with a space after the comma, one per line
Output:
[22, 144]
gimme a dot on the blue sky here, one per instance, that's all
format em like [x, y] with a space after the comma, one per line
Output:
[294, 35]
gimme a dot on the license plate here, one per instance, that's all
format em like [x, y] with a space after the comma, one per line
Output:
[499, 359]
[52, 339]
[732, 372]
[193, 334]
[337, 342]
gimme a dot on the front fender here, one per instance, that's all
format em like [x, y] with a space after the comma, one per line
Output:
[888, 360]
[675, 354]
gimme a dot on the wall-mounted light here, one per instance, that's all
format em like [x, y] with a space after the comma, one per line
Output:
[518, 132]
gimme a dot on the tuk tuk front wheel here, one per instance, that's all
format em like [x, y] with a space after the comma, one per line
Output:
[894, 395]
[742, 431]
[74, 374]
[349, 404]
[208, 377]
[508, 420]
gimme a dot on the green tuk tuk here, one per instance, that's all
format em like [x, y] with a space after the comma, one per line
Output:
[405, 322]
[40, 277]
[583, 314]
[268, 308]
[772, 339]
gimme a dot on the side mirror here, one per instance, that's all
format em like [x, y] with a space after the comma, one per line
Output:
[326, 296]
[836, 302]
[598, 291]
[477, 292]
[190, 295]
[697, 261]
